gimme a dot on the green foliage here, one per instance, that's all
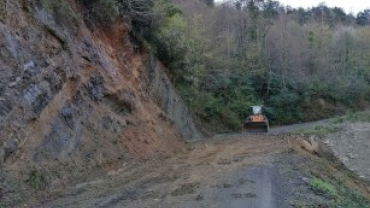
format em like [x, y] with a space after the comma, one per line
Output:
[322, 130]
[37, 180]
[352, 199]
[209, 3]
[102, 12]
[173, 46]
[61, 10]
[286, 107]
[146, 16]
[143, 16]
[323, 187]
[340, 194]
[105, 11]
[353, 118]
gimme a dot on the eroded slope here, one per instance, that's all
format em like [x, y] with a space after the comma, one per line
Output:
[73, 98]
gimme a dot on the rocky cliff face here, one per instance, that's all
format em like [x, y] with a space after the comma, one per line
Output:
[162, 90]
[80, 96]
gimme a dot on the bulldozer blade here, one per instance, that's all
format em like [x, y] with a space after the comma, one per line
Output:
[255, 127]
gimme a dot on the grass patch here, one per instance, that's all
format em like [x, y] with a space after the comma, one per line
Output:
[323, 187]
[334, 188]
[325, 129]
[353, 118]
[37, 180]
[337, 186]
[318, 130]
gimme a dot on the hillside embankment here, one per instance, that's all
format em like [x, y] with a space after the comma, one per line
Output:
[76, 98]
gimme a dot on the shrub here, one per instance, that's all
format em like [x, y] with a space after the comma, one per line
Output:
[61, 10]
[323, 187]
[37, 180]
[102, 12]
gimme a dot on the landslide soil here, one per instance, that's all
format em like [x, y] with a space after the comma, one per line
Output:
[254, 171]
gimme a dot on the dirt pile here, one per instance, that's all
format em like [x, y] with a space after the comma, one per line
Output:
[73, 98]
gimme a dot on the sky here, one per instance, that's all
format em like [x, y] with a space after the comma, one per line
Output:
[349, 6]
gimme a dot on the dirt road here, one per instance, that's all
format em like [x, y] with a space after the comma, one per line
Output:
[234, 170]
[242, 171]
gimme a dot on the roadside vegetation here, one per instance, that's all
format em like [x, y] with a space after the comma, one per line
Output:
[324, 188]
[335, 124]
[321, 130]
[337, 186]
[353, 118]
[337, 193]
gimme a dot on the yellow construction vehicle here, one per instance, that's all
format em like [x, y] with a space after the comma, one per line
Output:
[256, 120]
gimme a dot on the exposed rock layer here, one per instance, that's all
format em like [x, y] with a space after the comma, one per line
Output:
[73, 93]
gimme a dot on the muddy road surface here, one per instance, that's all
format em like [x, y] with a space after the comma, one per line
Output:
[254, 171]
[227, 171]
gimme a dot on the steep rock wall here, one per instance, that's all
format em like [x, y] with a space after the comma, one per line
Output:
[161, 88]
[87, 96]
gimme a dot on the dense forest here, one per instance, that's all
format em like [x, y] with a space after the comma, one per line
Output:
[303, 64]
